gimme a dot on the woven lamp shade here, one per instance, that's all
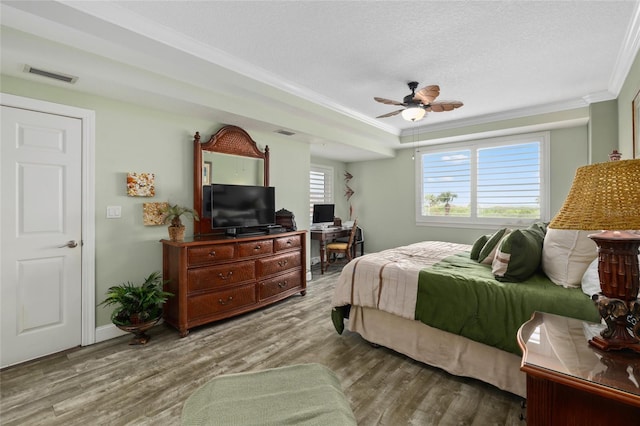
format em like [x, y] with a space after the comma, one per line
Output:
[603, 196]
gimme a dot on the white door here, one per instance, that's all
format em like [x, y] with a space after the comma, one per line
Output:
[41, 212]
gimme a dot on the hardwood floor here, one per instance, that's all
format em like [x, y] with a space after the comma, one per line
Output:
[111, 383]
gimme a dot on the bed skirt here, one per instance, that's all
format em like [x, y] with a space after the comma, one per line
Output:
[455, 354]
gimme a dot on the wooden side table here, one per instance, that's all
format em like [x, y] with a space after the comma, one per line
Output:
[570, 382]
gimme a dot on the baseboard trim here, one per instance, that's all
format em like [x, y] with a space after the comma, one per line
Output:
[107, 332]
[110, 331]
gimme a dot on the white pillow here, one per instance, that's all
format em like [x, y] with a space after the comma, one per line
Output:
[591, 280]
[566, 255]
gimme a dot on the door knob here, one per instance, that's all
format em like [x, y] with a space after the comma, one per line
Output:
[70, 244]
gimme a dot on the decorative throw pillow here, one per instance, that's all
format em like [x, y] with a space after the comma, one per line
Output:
[566, 255]
[540, 226]
[477, 246]
[488, 251]
[518, 255]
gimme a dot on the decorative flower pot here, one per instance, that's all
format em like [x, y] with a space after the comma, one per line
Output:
[176, 233]
[139, 331]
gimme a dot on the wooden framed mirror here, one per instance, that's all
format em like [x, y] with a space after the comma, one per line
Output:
[227, 149]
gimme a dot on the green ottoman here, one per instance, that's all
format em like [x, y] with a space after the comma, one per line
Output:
[306, 394]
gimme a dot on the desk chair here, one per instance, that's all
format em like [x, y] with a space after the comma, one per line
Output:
[358, 240]
[337, 247]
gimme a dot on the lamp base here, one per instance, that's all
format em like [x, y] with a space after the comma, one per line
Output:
[623, 324]
[618, 303]
[609, 345]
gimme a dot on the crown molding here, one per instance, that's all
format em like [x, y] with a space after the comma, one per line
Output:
[627, 54]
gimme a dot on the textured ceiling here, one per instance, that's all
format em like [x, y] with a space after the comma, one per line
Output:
[498, 57]
[491, 55]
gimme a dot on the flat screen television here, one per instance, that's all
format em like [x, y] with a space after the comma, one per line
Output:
[241, 206]
[323, 213]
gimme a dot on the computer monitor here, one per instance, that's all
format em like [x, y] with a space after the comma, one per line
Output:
[323, 213]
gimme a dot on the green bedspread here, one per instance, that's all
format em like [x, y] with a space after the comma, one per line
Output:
[461, 296]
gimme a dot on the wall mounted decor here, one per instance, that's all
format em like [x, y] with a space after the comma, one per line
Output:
[153, 213]
[140, 184]
[348, 192]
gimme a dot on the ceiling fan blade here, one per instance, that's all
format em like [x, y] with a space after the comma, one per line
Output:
[444, 106]
[427, 94]
[389, 114]
[388, 101]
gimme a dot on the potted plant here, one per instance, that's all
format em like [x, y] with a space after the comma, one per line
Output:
[138, 307]
[173, 213]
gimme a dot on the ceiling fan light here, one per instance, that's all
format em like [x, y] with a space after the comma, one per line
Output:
[413, 113]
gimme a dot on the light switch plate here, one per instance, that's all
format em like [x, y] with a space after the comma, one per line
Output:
[114, 212]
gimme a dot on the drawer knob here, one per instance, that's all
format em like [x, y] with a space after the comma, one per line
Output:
[283, 263]
[225, 302]
[223, 277]
[282, 285]
[289, 242]
[212, 253]
[257, 247]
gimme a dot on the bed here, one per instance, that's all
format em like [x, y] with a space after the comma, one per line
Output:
[433, 303]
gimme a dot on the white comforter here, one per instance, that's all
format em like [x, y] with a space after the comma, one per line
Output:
[388, 280]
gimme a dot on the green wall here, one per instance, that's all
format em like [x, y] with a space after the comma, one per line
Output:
[131, 138]
[603, 130]
[629, 90]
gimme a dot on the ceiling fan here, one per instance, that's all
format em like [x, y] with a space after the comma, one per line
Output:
[417, 104]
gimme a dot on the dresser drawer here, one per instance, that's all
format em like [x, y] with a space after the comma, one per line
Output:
[277, 264]
[221, 301]
[285, 243]
[216, 276]
[255, 248]
[279, 284]
[209, 254]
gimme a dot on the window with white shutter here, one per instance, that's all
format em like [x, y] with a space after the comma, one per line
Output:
[320, 186]
[496, 181]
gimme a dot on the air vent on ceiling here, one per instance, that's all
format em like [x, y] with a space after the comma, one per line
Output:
[51, 74]
[285, 132]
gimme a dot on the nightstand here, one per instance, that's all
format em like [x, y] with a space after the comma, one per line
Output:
[570, 382]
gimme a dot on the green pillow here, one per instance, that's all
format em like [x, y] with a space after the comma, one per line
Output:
[489, 249]
[519, 255]
[540, 226]
[477, 246]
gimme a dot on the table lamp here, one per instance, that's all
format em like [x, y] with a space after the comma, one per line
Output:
[607, 196]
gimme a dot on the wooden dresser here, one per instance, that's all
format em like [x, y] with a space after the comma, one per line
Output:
[218, 277]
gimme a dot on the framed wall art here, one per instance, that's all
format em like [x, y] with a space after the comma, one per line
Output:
[141, 184]
[153, 213]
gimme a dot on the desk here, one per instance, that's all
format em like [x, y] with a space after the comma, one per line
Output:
[327, 234]
[571, 382]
